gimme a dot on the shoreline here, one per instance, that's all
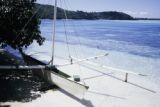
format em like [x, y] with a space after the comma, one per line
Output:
[107, 88]
[144, 87]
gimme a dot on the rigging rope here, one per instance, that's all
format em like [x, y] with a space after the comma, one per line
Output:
[75, 30]
[66, 35]
[71, 59]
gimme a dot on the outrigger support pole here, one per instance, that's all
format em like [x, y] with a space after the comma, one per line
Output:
[25, 67]
[126, 79]
[81, 60]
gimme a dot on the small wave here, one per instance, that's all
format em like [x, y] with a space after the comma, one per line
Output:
[115, 45]
[110, 35]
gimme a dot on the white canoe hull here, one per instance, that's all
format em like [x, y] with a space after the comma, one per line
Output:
[70, 86]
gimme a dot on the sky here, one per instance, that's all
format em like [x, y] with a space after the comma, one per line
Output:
[135, 8]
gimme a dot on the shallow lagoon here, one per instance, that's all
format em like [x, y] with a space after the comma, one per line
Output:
[132, 45]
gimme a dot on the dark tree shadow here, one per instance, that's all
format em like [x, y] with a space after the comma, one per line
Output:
[18, 85]
[4, 105]
[21, 86]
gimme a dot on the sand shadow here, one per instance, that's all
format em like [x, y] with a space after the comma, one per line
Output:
[85, 102]
[93, 77]
[20, 86]
[4, 105]
[107, 95]
[109, 74]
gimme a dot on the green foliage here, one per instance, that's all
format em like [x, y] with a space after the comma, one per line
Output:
[19, 25]
[112, 15]
[47, 11]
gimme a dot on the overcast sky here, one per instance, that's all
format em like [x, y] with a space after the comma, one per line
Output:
[136, 8]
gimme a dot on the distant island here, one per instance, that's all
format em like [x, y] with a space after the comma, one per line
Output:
[147, 18]
[47, 11]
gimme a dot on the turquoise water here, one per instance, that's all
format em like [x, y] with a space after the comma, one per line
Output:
[135, 37]
[132, 45]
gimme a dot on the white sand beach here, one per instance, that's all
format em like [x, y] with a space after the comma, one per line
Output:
[106, 87]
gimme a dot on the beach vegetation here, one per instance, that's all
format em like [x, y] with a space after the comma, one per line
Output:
[47, 12]
[19, 24]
